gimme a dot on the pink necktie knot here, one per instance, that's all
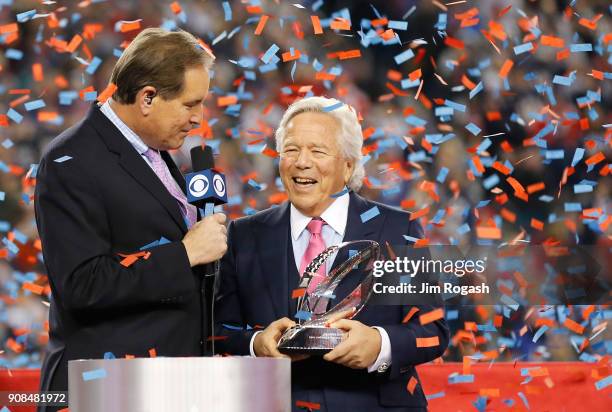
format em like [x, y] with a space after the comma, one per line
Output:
[315, 226]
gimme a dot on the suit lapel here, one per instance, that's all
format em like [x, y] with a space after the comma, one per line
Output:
[136, 166]
[272, 234]
[356, 230]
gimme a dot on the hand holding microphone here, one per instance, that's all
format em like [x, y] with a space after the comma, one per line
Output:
[206, 241]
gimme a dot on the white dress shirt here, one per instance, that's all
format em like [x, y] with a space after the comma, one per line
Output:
[336, 216]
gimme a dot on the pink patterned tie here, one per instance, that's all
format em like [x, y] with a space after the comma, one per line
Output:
[161, 170]
[316, 245]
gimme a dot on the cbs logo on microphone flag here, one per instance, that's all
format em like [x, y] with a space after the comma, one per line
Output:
[206, 186]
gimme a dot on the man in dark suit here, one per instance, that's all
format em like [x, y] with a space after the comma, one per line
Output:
[107, 188]
[320, 154]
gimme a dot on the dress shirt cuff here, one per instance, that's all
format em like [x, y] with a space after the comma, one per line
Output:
[252, 349]
[384, 356]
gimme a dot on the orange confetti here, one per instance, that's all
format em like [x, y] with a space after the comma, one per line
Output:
[410, 314]
[432, 316]
[226, 100]
[414, 75]
[9, 28]
[552, 41]
[270, 152]
[454, 43]
[340, 24]
[419, 213]
[75, 43]
[37, 72]
[488, 232]
[349, 54]
[493, 392]
[536, 187]
[34, 288]
[175, 7]
[287, 56]
[505, 69]
[573, 326]
[298, 293]
[500, 167]
[308, 405]
[412, 383]
[107, 92]
[130, 25]
[427, 342]
[129, 260]
[260, 26]
[536, 224]
[316, 24]
[596, 158]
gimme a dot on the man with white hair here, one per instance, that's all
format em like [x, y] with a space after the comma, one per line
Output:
[320, 142]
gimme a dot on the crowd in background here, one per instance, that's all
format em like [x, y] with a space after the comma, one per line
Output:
[404, 167]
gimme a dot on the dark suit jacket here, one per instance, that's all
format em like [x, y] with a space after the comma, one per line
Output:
[104, 201]
[258, 274]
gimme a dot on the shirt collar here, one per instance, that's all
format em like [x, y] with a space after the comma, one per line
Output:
[335, 216]
[128, 133]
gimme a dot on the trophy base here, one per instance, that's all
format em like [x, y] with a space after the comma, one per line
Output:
[309, 340]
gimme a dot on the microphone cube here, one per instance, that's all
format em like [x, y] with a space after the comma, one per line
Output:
[206, 186]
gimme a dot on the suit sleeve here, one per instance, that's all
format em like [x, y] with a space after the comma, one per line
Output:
[230, 322]
[84, 271]
[403, 336]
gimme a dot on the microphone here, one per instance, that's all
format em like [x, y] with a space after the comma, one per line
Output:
[205, 189]
[205, 186]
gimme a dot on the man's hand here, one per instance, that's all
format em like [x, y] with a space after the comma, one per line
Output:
[206, 241]
[265, 343]
[360, 347]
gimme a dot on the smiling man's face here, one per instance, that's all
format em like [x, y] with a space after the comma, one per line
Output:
[312, 166]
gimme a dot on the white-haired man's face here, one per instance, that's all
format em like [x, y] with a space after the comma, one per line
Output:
[312, 166]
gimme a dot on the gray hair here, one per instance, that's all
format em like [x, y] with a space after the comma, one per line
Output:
[350, 138]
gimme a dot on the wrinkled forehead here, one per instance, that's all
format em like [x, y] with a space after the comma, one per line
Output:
[313, 126]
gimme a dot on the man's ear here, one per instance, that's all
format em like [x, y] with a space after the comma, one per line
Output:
[350, 167]
[145, 99]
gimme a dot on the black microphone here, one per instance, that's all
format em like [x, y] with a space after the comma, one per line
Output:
[205, 186]
[205, 189]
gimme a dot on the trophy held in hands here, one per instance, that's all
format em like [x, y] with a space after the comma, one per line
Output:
[311, 335]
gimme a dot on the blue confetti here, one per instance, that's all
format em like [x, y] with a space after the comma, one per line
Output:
[539, 333]
[93, 66]
[442, 175]
[13, 54]
[35, 104]
[303, 315]
[472, 128]
[397, 25]
[369, 214]
[14, 115]
[524, 399]
[340, 193]
[435, 395]
[62, 159]
[227, 11]
[26, 15]
[404, 56]
[269, 53]
[582, 47]
[94, 374]
[522, 48]
[476, 90]
[333, 107]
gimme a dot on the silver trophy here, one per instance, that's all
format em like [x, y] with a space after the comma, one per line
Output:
[311, 335]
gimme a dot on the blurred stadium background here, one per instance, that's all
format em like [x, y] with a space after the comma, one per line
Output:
[489, 119]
